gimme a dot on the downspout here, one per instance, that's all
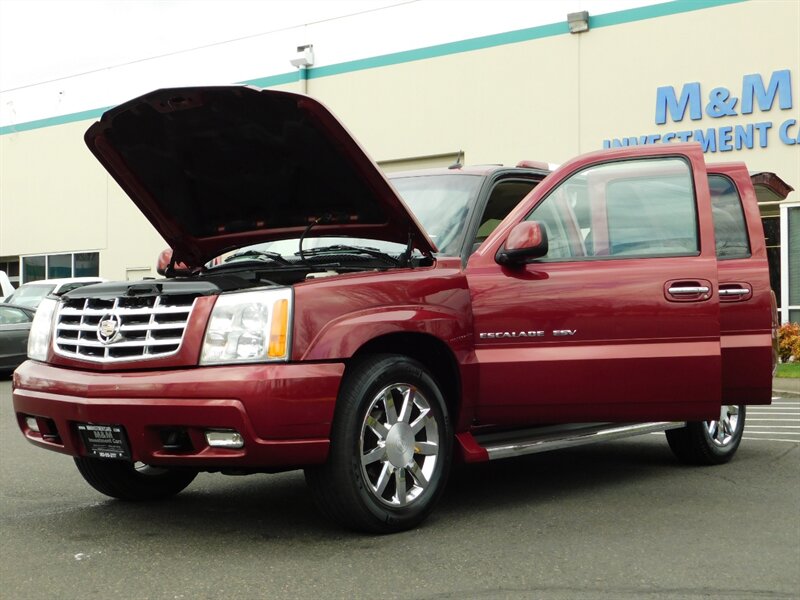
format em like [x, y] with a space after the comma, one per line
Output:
[304, 80]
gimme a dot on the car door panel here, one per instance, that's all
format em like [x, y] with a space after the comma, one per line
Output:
[745, 313]
[599, 336]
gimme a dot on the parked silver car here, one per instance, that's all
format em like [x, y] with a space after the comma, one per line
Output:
[15, 325]
[31, 294]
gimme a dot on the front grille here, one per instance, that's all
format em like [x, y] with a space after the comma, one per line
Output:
[124, 328]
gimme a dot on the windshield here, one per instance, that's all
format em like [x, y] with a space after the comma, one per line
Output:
[441, 204]
[30, 295]
[290, 247]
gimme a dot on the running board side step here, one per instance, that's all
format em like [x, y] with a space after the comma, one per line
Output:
[506, 444]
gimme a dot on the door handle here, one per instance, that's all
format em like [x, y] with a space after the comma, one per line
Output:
[688, 290]
[735, 291]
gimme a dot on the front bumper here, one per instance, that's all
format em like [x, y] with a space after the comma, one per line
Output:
[283, 412]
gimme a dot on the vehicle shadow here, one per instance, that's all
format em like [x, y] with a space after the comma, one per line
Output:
[271, 507]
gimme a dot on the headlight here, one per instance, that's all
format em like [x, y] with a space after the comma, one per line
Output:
[249, 327]
[41, 330]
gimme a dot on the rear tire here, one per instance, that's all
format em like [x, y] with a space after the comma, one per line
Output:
[709, 442]
[129, 481]
[391, 446]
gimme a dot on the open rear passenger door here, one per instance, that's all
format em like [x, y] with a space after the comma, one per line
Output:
[744, 285]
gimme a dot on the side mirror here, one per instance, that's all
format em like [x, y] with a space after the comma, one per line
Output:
[526, 242]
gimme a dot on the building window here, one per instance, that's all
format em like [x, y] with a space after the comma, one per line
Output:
[34, 268]
[772, 236]
[790, 275]
[11, 267]
[86, 264]
[57, 266]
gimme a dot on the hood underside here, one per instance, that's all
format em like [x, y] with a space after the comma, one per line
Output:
[217, 168]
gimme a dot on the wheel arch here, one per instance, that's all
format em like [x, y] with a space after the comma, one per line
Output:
[429, 350]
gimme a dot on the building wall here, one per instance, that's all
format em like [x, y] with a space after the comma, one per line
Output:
[541, 94]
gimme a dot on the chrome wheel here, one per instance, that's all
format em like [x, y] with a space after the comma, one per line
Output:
[399, 449]
[724, 431]
[391, 445]
[709, 442]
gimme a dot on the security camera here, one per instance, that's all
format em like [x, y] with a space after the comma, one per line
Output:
[305, 57]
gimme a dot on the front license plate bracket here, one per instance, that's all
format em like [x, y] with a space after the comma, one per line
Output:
[104, 441]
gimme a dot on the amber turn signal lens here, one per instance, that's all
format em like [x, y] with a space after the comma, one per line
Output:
[278, 329]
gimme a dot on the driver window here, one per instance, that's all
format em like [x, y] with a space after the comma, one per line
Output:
[636, 208]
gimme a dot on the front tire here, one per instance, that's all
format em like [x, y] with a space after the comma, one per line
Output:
[129, 481]
[391, 446]
[709, 442]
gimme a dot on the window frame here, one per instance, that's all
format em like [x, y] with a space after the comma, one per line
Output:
[23, 279]
[741, 213]
[785, 308]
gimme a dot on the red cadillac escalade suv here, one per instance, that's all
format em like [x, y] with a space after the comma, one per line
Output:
[316, 315]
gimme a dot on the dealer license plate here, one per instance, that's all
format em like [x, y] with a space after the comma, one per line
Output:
[104, 441]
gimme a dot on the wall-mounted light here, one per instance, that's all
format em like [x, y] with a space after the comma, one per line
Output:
[305, 56]
[578, 21]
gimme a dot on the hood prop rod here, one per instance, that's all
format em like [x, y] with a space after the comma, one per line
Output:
[405, 258]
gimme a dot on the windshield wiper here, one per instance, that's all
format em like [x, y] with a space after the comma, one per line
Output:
[344, 249]
[259, 254]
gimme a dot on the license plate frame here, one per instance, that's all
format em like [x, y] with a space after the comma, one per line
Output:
[104, 441]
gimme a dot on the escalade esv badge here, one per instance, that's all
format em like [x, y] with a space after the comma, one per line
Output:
[496, 335]
[510, 334]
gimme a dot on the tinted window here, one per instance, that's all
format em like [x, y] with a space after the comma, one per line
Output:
[504, 197]
[12, 316]
[640, 208]
[59, 265]
[793, 241]
[772, 234]
[730, 229]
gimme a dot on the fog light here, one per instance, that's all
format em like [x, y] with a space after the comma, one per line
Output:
[224, 438]
[32, 424]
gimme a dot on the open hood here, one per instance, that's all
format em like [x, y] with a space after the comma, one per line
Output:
[216, 168]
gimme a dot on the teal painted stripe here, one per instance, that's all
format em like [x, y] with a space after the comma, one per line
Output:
[480, 43]
[642, 13]
[51, 121]
[281, 79]
[513, 37]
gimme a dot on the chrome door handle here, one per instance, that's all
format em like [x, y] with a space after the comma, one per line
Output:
[733, 292]
[688, 290]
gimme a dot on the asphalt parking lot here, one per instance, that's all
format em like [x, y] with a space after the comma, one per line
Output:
[618, 520]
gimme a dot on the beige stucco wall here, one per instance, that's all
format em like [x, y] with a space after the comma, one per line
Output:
[498, 105]
[55, 197]
[52, 192]
[544, 99]
[622, 66]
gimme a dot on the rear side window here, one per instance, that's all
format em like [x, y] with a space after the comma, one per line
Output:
[504, 197]
[13, 316]
[730, 228]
